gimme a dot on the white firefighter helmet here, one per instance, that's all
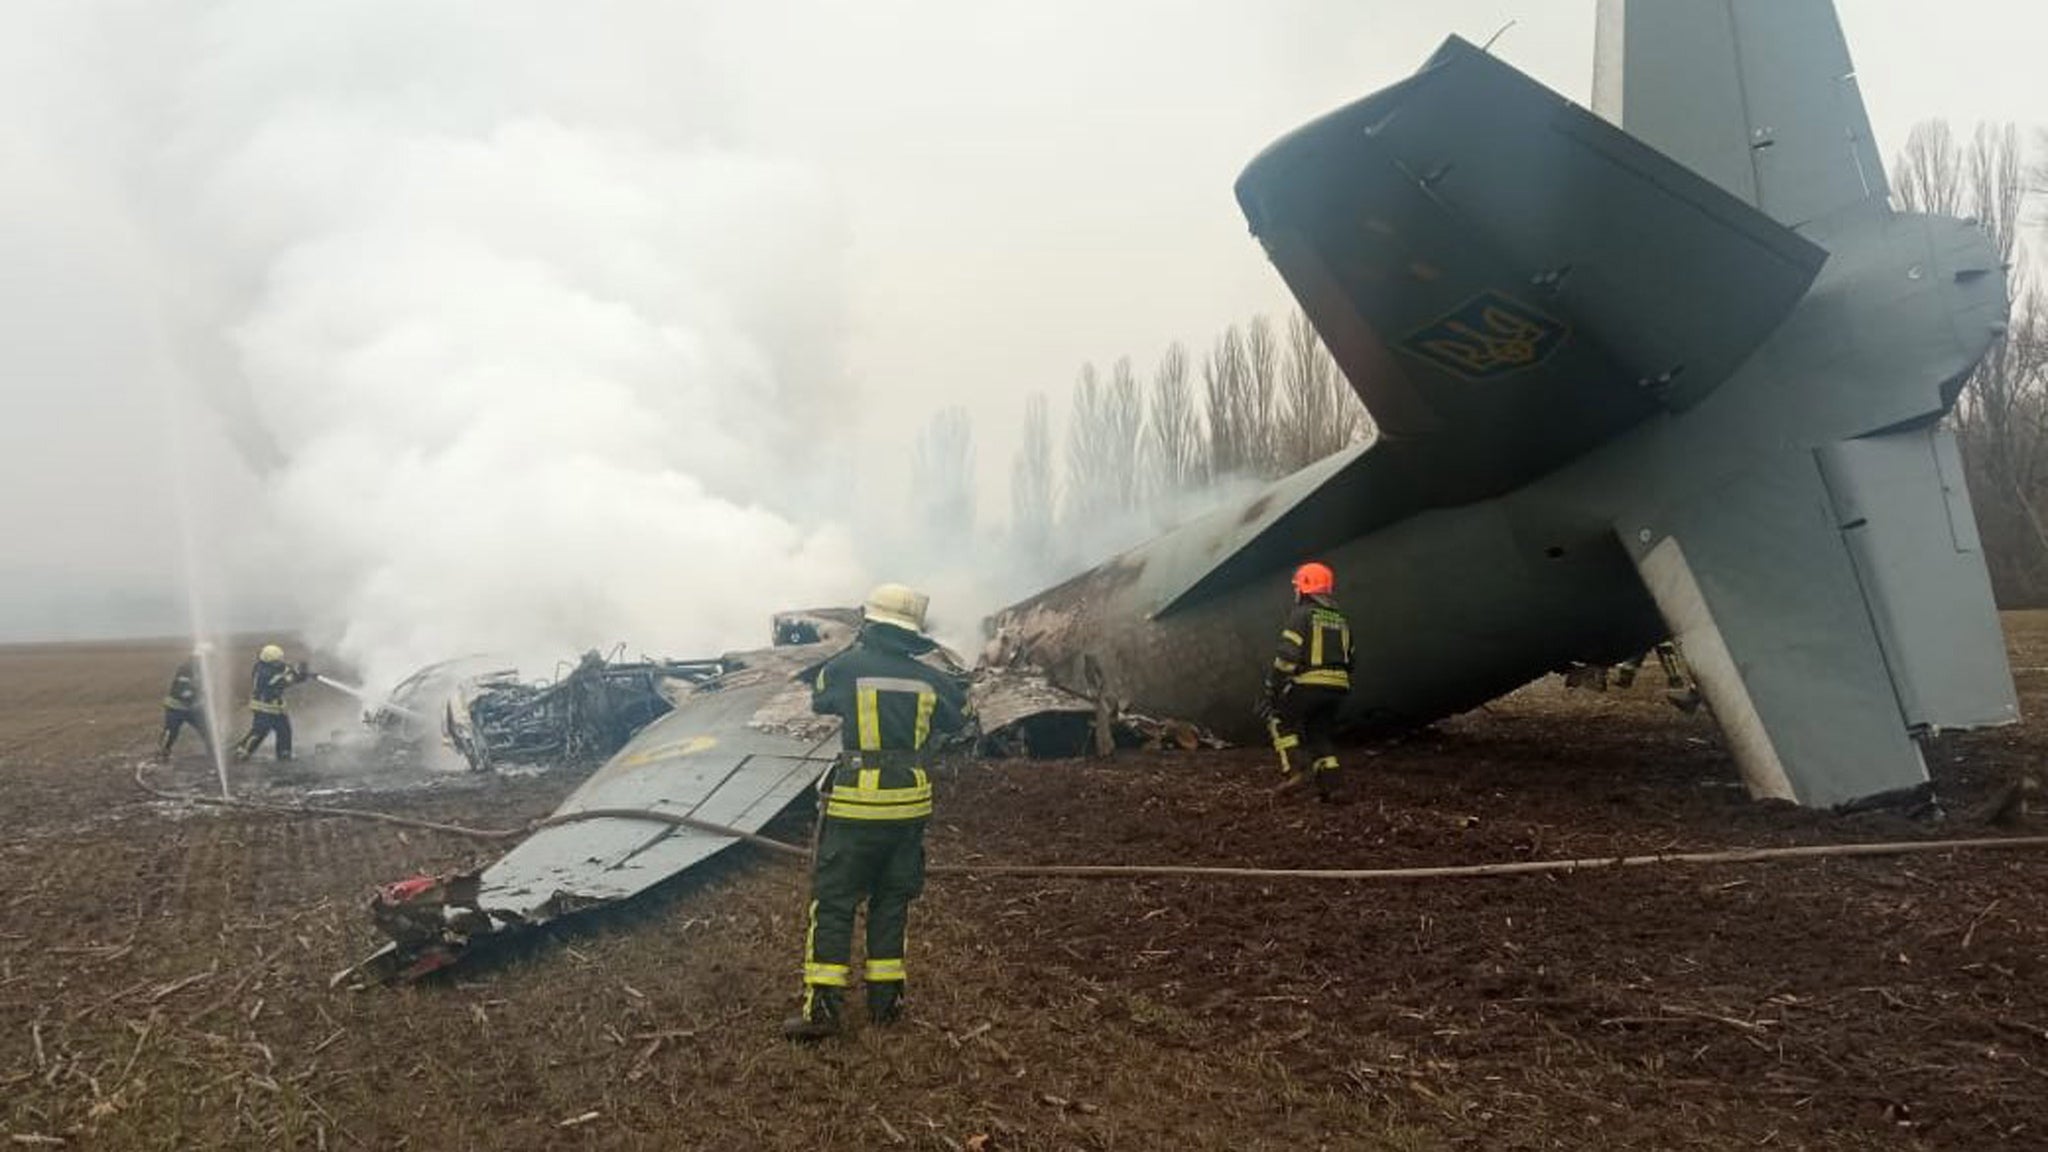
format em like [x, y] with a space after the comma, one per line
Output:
[271, 654]
[896, 604]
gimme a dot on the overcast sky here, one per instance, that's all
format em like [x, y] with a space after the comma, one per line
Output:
[978, 198]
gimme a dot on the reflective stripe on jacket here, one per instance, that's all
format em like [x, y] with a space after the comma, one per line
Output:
[890, 705]
[857, 790]
[1315, 646]
[183, 694]
[267, 682]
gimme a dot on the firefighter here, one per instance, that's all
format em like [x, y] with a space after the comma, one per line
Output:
[185, 703]
[876, 799]
[1668, 659]
[267, 683]
[1307, 683]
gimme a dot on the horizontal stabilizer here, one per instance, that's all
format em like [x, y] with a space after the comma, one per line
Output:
[1504, 274]
[1337, 499]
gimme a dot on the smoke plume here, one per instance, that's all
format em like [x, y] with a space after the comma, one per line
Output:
[515, 333]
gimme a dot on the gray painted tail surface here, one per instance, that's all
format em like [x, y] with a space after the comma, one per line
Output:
[1759, 590]
[1758, 96]
[1905, 514]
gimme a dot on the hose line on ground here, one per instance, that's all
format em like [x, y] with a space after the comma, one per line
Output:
[142, 782]
[1154, 871]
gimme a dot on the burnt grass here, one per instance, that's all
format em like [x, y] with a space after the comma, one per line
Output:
[164, 971]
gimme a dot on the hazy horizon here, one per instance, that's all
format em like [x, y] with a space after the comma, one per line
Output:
[619, 322]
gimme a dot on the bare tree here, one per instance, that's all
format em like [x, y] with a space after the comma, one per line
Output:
[1998, 187]
[1123, 436]
[1031, 494]
[942, 476]
[2002, 417]
[1088, 451]
[1319, 414]
[1928, 176]
[1173, 433]
[1262, 387]
[1226, 386]
[1102, 444]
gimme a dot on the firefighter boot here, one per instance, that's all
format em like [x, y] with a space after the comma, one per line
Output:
[885, 1003]
[818, 1019]
[1326, 779]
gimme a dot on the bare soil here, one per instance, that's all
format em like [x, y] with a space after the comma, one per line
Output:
[163, 970]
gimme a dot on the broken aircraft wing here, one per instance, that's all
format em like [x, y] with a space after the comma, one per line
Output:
[736, 750]
[716, 759]
[734, 753]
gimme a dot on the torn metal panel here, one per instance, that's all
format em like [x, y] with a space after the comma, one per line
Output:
[736, 749]
[815, 626]
[1024, 715]
[586, 715]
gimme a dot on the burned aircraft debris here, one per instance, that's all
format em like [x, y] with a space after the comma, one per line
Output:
[738, 746]
[494, 718]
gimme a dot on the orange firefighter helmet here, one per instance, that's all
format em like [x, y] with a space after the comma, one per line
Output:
[1314, 579]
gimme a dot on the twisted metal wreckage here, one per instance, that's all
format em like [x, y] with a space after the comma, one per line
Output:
[1673, 369]
[688, 746]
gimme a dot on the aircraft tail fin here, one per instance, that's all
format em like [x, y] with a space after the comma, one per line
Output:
[1758, 96]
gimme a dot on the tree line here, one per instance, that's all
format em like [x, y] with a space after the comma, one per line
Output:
[1142, 453]
[1264, 400]
[2001, 420]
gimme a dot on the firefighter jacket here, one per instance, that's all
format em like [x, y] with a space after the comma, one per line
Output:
[183, 694]
[267, 682]
[891, 706]
[1315, 648]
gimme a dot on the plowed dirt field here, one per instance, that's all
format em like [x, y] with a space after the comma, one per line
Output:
[164, 970]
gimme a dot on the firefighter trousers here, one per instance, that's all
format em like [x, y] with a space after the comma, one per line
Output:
[1304, 724]
[880, 862]
[175, 720]
[262, 725]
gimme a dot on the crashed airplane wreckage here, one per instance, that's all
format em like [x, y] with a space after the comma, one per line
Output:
[1675, 373]
[493, 718]
[734, 748]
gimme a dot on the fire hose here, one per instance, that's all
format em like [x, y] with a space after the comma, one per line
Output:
[1152, 871]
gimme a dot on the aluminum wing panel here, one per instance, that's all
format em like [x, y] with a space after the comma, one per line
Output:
[713, 759]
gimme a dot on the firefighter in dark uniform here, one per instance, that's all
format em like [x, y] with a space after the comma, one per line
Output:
[1667, 658]
[267, 683]
[876, 799]
[185, 703]
[1310, 677]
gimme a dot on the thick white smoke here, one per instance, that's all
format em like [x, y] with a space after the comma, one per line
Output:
[530, 349]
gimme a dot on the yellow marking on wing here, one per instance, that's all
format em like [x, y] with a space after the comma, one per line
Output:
[689, 747]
